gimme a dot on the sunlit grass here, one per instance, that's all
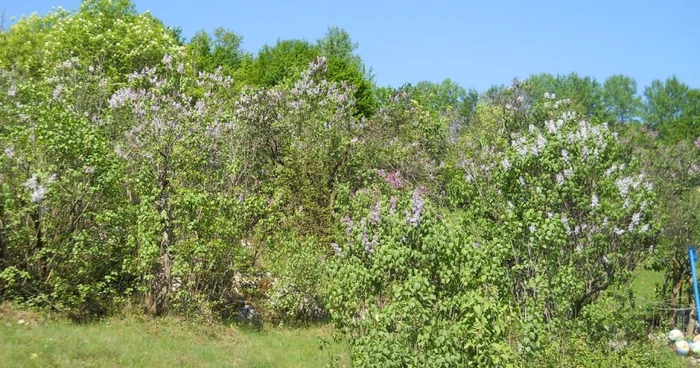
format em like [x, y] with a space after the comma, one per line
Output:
[168, 342]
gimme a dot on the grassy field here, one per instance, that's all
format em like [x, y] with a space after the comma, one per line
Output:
[28, 340]
[31, 340]
[644, 284]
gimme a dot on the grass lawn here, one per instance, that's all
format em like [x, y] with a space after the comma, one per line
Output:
[644, 283]
[28, 340]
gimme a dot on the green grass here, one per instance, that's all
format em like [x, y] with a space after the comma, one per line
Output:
[140, 342]
[644, 284]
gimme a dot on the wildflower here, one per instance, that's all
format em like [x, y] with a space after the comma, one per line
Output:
[12, 91]
[532, 228]
[645, 228]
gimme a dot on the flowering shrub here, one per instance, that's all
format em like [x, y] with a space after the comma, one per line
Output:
[61, 205]
[409, 287]
[572, 215]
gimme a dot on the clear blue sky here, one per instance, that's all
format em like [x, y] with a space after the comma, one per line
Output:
[476, 43]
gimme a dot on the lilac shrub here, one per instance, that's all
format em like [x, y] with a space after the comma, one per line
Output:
[571, 213]
[177, 135]
[409, 287]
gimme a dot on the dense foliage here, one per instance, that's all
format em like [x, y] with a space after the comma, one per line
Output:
[433, 226]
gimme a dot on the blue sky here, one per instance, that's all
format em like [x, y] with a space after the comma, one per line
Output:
[476, 43]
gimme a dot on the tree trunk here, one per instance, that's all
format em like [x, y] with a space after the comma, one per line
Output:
[160, 285]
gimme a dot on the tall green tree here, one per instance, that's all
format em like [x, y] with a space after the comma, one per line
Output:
[101, 32]
[223, 50]
[620, 98]
[672, 108]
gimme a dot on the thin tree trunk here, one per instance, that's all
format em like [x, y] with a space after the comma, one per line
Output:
[159, 286]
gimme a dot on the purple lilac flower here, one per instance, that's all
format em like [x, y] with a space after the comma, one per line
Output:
[348, 225]
[393, 201]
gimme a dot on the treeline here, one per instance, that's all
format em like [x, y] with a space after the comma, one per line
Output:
[430, 224]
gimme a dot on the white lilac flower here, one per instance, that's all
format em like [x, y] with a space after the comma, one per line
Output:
[38, 194]
[560, 179]
[522, 181]
[57, 91]
[565, 155]
[12, 91]
[594, 201]
[532, 228]
[541, 141]
[619, 231]
[623, 185]
[551, 128]
[636, 217]
[336, 249]
[568, 172]
[522, 150]
[645, 228]
[505, 164]
[10, 151]
[31, 183]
